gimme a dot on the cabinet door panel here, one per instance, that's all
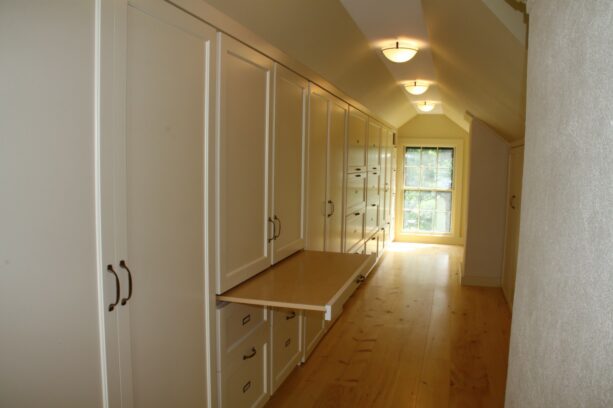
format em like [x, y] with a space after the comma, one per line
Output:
[289, 136]
[167, 91]
[243, 205]
[316, 180]
[374, 142]
[336, 171]
[356, 141]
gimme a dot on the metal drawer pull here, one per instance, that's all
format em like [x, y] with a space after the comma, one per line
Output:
[360, 278]
[253, 353]
[276, 234]
[246, 319]
[110, 269]
[358, 175]
[122, 264]
[274, 228]
[333, 208]
[373, 205]
[356, 214]
[358, 169]
[246, 387]
[290, 316]
[288, 342]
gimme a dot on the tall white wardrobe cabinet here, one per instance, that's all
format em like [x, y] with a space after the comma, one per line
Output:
[157, 91]
[259, 163]
[325, 179]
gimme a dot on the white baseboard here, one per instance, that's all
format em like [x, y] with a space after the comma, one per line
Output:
[486, 281]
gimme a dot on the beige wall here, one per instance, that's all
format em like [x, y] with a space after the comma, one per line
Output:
[562, 335]
[436, 128]
[487, 200]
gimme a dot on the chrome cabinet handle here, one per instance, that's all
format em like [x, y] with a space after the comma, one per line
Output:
[110, 269]
[290, 315]
[246, 319]
[277, 235]
[253, 353]
[360, 278]
[122, 264]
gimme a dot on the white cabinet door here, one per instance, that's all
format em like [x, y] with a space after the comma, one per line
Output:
[313, 328]
[356, 141]
[516, 168]
[243, 177]
[374, 142]
[291, 92]
[317, 207]
[168, 90]
[335, 175]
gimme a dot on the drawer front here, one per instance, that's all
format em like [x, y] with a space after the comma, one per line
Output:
[372, 219]
[354, 229]
[243, 376]
[285, 344]
[372, 245]
[356, 189]
[372, 189]
[314, 327]
[357, 169]
[236, 321]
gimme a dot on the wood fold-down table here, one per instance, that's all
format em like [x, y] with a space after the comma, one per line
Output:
[307, 280]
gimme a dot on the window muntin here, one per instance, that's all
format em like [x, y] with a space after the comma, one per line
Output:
[428, 189]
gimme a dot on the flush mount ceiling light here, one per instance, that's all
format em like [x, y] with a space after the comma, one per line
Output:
[417, 87]
[425, 106]
[399, 53]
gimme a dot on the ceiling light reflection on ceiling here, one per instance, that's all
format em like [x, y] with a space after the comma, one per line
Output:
[425, 106]
[399, 53]
[417, 87]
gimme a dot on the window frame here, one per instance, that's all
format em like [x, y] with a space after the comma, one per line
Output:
[457, 192]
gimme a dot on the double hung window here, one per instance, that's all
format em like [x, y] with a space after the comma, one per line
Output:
[428, 190]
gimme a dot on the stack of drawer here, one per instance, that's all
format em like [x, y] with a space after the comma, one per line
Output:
[285, 335]
[242, 349]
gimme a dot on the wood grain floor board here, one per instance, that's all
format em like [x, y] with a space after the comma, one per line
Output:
[410, 336]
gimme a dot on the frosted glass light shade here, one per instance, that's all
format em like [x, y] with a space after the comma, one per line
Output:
[399, 53]
[417, 87]
[425, 106]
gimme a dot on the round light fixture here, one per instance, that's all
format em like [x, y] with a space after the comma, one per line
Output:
[399, 53]
[425, 106]
[417, 87]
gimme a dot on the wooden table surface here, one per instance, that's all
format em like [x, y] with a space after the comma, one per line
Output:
[308, 280]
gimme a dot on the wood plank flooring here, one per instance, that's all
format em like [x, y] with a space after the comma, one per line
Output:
[411, 336]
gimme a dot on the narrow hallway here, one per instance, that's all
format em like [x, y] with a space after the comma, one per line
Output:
[412, 336]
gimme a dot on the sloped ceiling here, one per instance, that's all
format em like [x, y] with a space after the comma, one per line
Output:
[472, 49]
[321, 35]
[480, 64]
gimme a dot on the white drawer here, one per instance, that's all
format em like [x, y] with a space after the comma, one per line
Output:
[354, 228]
[235, 322]
[243, 377]
[356, 189]
[372, 188]
[372, 220]
[285, 344]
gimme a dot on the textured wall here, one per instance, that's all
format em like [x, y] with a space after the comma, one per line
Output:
[562, 337]
[487, 206]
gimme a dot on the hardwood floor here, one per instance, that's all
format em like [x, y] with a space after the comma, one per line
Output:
[411, 336]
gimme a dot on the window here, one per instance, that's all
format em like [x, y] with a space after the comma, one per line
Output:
[428, 190]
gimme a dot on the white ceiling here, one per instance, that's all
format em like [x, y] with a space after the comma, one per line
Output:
[459, 42]
[399, 20]
[472, 49]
